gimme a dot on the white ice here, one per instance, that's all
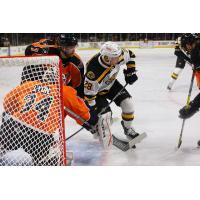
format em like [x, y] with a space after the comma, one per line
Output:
[156, 113]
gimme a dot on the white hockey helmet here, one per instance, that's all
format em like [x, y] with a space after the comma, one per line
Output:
[111, 50]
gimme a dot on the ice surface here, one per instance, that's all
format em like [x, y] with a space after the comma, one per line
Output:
[156, 113]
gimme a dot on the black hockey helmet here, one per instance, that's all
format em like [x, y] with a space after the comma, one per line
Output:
[66, 39]
[188, 38]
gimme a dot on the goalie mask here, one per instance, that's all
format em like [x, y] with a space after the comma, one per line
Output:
[49, 76]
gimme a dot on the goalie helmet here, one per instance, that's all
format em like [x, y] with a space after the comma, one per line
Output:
[111, 50]
[49, 75]
[66, 40]
[188, 38]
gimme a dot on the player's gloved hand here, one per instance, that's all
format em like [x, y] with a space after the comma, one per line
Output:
[89, 127]
[188, 111]
[130, 75]
[93, 116]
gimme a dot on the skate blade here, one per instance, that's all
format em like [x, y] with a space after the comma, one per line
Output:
[137, 139]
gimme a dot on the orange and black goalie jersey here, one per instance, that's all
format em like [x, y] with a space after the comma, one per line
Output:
[38, 106]
[73, 67]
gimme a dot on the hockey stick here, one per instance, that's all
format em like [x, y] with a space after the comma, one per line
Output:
[103, 110]
[187, 104]
[126, 145]
[78, 117]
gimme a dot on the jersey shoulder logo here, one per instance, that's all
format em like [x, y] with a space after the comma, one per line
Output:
[90, 75]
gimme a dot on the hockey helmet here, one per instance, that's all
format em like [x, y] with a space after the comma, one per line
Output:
[66, 39]
[50, 75]
[188, 38]
[111, 50]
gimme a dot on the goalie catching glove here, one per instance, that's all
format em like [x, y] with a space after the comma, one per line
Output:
[130, 76]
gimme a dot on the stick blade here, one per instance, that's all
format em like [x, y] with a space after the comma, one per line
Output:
[179, 144]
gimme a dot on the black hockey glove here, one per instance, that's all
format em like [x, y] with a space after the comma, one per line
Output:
[130, 76]
[89, 127]
[93, 115]
[187, 112]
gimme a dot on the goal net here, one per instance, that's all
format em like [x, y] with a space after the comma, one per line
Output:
[32, 124]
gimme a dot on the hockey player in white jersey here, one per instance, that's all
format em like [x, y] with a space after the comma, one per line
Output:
[100, 83]
[180, 64]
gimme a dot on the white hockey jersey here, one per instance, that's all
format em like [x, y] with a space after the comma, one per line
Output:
[100, 76]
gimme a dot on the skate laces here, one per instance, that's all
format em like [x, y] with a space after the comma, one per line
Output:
[131, 131]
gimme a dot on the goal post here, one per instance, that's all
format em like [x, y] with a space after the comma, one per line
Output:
[32, 128]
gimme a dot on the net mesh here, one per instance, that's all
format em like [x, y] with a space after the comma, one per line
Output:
[32, 127]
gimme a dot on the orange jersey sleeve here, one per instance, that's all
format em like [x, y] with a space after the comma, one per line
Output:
[75, 104]
[35, 104]
[197, 74]
[72, 73]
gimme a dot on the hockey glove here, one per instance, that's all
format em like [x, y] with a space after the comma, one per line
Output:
[89, 127]
[93, 115]
[130, 76]
[188, 111]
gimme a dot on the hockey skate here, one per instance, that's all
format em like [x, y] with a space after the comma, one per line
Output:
[129, 132]
[171, 83]
[132, 138]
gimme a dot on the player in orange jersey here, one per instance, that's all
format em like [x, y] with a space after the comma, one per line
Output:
[32, 116]
[63, 46]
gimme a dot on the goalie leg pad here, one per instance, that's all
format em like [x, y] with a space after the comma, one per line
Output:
[104, 130]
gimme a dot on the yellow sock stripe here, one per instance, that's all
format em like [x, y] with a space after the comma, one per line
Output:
[128, 116]
[174, 76]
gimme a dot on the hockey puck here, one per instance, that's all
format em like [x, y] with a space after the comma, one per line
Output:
[198, 143]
